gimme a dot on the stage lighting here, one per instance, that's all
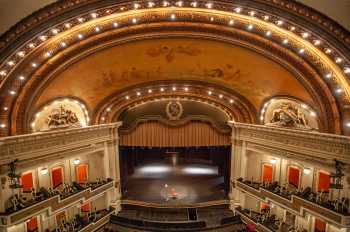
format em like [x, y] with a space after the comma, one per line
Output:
[200, 171]
[154, 169]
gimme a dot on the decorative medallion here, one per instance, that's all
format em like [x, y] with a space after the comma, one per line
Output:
[174, 110]
[62, 118]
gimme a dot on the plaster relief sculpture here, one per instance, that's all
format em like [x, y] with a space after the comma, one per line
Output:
[174, 110]
[62, 118]
[289, 116]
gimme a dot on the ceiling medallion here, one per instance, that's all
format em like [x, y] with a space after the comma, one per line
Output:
[174, 110]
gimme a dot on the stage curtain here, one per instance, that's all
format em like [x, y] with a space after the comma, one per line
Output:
[57, 177]
[293, 176]
[27, 182]
[323, 182]
[86, 207]
[82, 173]
[32, 225]
[320, 226]
[193, 134]
[267, 173]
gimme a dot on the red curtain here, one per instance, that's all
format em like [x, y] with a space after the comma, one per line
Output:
[57, 177]
[320, 226]
[32, 225]
[293, 176]
[82, 172]
[264, 206]
[86, 207]
[323, 182]
[27, 182]
[267, 173]
[156, 134]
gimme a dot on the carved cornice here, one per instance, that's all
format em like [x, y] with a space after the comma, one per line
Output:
[311, 145]
[41, 145]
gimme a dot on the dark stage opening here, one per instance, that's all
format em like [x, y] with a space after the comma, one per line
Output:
[175, 175]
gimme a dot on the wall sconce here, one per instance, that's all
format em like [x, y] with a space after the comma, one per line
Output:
[307, 171]
[273, 161]
[44, 171]
[76, 161]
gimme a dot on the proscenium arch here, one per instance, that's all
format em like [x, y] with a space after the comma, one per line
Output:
[185, 15]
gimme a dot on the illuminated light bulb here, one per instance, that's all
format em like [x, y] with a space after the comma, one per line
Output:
[165, 3]
[33, 124]
[266, 17]
[21, 54]
[210, 92]
[273, 161]
[252, 13]
[339, 90]
[48, 54]
[80, 20]
[136, 6]
[3, 73]
[194, 4]
[348, 124]
[22, 78]
[31, 45]
[307, 171]
[63, 44]
[279, 22]
[285, 41]
[261, 118]
[162, 89]
[67, 25]
[186, 89]
[151, 4]
[43, 38]
[301, 51]
[317, 42]
[150, 91]
[268, 33]
[305, 35]
[12, 92]
[76, 161]
[346, 70]
[221, 96]
[5, 108]
[211, 19]
[292, 28]
[115, 24]
[138, 94]
[108, 11]
[94, 15]
[97, 29]
[304, 106]
[127, 97]
[37, 115]
[338, 60]
[250, 27]
[328, 51]
[180, 3]
[312, 114]
[173, 16]
[80, 36]
[231, 22]
[238, 10]
[55, 31]
[108, 109]
[34, 65]
[231, 101]
[2, 125]
[209, 5]
[103, 118]
[134, 20]
[11, 63]
[328, 75]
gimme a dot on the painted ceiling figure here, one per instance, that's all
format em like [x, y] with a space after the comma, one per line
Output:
[62, 118]
[289, 116]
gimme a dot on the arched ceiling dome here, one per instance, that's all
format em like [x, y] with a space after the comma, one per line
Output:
[92, 50]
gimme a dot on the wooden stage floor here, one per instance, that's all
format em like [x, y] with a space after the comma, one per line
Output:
[159, 182]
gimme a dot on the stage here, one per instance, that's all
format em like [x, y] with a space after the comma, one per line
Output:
[180, 184]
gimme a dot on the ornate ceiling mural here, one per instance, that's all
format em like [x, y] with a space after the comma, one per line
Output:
[94, 50]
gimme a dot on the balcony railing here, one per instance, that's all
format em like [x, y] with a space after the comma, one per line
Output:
[294, 202]
[55, 203]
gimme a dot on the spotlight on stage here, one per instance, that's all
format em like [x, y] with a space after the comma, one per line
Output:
[154, 169]
[200, 171]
